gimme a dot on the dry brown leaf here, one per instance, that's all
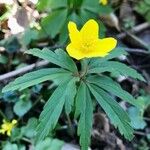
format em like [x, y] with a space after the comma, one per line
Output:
[22, 17]
[111, 20]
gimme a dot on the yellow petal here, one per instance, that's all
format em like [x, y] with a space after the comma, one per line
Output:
[103, 2]
[14, 121]
[74, 34]
[9, 133]
[90, 30]
[4, 121]
[2, 131]
[103, 47]
[74, 52]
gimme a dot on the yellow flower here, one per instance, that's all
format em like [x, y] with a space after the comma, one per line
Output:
[103, 2]
[7, 127]
[86, 43]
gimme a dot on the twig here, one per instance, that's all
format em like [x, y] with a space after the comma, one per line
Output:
[136, 29]
[23, 70]
[71, 129]
[140, 133]
[146, 118]
[137, 50]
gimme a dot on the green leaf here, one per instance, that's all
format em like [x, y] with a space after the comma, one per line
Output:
[49, 144]
[116, 67]
[84, 108]
[92, 6]
[59, 57]
[21, 107]
[113, 87]
[35, 77]
[137, 120]
[51, 4]
[29, 35]
[52, 110]
[53, 23]
[29, 130]
[94, 62]
[11, 146]
[116, 114]
[3, 59]
[85, 15]
[117, 52]
[70, 95]
[16, 135]
[105, 10]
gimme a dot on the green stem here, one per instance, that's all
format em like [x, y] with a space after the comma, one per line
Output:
[71, 129]
[84, 67]
[3, 115]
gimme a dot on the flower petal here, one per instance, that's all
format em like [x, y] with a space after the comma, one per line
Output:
[74, 34]
[74, 52]
[14, 121]
[106, 45]
[90, 30]
[103, 2]
[103, 47]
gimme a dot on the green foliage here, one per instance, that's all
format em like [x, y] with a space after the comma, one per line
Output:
[75, 88]
[34, 78]
[113, 87]
[117, 68]
[51, 4]
[143, 8]
[29, 130]
[11, 146]
[50, 23]
[3, 59]
[137, 114]
[84, 108]
[53, 108]
[11, 44]
[63, 11]
[21, 107]
[117, 115]
[136, 117]
[29, 35]
[49, 144]
[59, 57]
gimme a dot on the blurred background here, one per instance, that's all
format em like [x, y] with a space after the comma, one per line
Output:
[26, 24]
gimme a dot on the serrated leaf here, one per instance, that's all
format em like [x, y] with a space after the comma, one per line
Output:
[59, 57]
[116, 114]
[84, 108]
[70, 95]
[117, 52]
[116, 67]
[52, 110]
[113, 87]
[35, 77]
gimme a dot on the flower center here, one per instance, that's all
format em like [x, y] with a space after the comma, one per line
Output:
[87, 46]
